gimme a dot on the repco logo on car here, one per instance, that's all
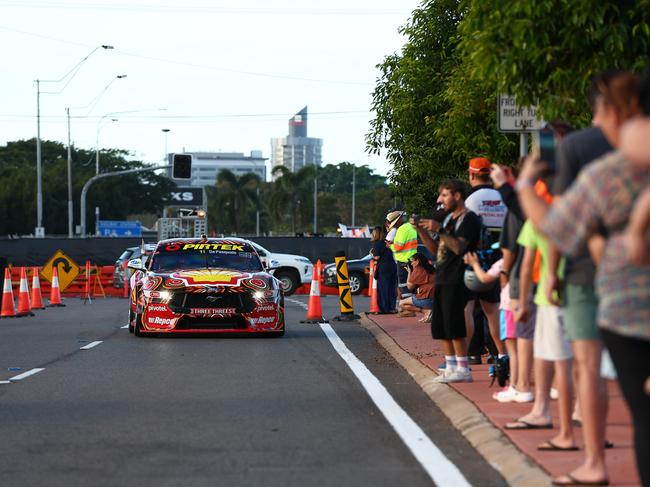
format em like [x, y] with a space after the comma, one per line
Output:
[157, 320]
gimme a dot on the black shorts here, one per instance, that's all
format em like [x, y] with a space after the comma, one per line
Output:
[448, 313]
[491, 296]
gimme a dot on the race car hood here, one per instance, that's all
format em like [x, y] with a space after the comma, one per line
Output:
[209, 277]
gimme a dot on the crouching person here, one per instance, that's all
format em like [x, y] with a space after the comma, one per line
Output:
[421, 280]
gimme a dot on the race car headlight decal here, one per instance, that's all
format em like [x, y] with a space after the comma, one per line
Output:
[162, 296]
[261, 295]
[165, 296]
[258, 295]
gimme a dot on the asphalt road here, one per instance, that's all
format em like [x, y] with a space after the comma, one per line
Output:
[206, 411]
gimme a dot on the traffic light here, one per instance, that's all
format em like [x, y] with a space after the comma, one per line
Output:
[182, 166]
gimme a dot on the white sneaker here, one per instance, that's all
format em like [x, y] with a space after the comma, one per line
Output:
[457, 376]
[524, 397]
[554, 393]
[507, 394]
[441, 377]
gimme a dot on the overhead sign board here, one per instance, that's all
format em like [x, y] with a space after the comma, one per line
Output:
[186, 197]
[117, 228]
[66, 268]
[514, 118]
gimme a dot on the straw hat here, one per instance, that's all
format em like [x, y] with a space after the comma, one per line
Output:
[393, 217]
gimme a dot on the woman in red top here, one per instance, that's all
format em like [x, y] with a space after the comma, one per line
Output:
[421, 280]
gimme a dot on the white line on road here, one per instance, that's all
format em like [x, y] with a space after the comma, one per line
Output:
[441, 470]
[25, 375]
[90, 345]
[124, 327]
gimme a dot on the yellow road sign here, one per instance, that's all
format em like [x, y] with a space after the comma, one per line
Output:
[66, 269]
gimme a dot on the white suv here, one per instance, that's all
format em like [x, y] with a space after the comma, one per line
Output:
[291, 270]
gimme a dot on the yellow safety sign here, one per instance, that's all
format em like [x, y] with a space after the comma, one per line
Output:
[66, 268]
[345, 296]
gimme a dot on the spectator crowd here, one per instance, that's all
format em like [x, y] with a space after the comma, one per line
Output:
[543, 266]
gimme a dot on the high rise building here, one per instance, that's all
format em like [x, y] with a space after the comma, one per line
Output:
[296, 150]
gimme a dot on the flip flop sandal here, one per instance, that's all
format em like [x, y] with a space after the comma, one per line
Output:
[523, 425]
[575, 481]
[550, 446]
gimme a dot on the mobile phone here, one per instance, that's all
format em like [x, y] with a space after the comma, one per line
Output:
[547, 148]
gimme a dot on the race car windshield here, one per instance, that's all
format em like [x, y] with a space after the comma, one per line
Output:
[206, 259]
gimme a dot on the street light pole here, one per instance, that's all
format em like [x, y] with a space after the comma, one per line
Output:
[40, 230]
[354, 190]
[93, 102]
[165, 156]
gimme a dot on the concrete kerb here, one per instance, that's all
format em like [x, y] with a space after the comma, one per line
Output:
[515, 467]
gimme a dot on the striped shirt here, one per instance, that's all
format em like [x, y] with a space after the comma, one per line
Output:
[600, 201]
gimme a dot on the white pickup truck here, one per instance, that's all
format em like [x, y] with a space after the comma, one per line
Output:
[291, 270]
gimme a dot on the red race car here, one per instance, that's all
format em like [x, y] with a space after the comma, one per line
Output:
[211, 285]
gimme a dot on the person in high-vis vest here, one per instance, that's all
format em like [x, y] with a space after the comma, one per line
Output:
[404, 246]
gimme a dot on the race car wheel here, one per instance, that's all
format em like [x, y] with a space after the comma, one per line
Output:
[356, 282]
[131, 319]
[289, 281]
[137, 327]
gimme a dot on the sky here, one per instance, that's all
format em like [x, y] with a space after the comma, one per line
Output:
[218, 75]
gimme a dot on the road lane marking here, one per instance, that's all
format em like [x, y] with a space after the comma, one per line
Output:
[439, 468]
[24, 375]
[90, 345]
[124, 327]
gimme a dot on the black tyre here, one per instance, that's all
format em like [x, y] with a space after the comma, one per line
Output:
[357, 282]
[137, 328]
[131, 320]
[290, 281]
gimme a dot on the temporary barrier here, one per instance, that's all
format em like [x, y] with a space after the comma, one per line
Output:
[37, 298]
[87, 297]
[24, 306]
[374, 305]
[126, 283]
[314, 309]
[55, 294]
[8, 309]
[345, 295]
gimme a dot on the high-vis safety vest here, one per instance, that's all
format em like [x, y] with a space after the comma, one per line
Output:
[405, 243]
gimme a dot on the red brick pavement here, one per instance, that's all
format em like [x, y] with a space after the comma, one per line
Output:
[415, 338]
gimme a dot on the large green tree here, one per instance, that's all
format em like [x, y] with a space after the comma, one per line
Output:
[547, 51]
[116, 197]
[291, 205]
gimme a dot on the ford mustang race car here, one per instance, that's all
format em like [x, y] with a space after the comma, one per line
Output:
[205, 285]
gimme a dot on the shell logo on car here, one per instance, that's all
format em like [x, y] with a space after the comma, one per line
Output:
[200, 277]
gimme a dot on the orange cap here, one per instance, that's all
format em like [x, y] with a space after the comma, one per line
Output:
[479, 165]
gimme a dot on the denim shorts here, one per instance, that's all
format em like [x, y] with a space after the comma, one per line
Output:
[426, 303]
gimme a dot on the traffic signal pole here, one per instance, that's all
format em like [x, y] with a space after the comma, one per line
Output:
[84, 191]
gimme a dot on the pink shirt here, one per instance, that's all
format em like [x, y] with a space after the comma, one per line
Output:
[494, 271]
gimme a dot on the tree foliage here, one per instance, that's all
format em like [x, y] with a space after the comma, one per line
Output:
[435, 102]
[233, 201]
[546, 51]
[116, 197]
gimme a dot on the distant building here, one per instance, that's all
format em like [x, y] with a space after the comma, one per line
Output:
[207, 165]
[296, 150]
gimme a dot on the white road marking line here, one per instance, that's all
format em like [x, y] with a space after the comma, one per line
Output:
[5, 382]
[90, 345]
[441, 470]
[24, 375]
[124, 327]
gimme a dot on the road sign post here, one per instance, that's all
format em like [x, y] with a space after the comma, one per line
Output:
[512, 118]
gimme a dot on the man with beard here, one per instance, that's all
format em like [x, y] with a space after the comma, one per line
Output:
[458, 234]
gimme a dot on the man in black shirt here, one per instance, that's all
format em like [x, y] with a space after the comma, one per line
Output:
[458, 234]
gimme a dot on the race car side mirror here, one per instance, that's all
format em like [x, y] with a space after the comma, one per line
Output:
[135, 264]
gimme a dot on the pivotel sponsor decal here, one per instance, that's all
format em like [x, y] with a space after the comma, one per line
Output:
[212, 311]
[157, 308]
[157, 320]
[265, 307]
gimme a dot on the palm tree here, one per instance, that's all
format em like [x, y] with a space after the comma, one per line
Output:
[291, 194]
[235, 199]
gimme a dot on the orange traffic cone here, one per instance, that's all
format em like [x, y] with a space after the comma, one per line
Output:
[24, 306]
[374, 305]
[314, 309]
[55, 293]
[37, 299]
[8, 309]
